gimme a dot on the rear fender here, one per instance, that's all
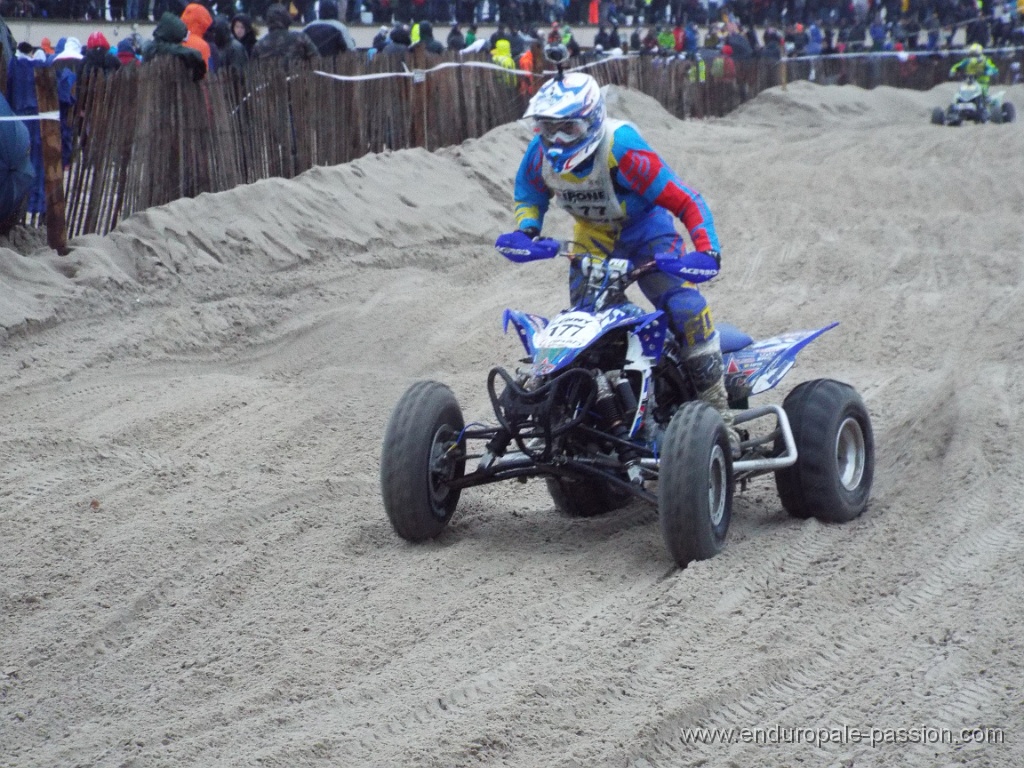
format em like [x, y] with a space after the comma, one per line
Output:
[760, 366]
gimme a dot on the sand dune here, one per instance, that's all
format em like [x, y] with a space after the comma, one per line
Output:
[198, 569]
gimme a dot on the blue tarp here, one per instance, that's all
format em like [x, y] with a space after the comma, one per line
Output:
[16, 172]
[7, 45]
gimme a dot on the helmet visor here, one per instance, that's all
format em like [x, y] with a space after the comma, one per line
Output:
[561, 132]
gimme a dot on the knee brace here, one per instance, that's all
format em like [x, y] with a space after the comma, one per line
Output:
[689, 315]
[703, 362]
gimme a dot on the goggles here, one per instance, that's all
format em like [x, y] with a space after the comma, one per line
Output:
[561, 132]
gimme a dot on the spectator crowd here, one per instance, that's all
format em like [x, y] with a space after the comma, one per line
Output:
[208, 37]
[846, 21]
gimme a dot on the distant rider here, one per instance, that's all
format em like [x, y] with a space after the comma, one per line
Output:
[980, 67]
[624, 199]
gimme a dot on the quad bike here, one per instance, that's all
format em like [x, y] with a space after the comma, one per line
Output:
[970, 104]
[605, 413]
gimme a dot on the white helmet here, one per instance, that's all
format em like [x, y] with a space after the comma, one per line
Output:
[569, 115]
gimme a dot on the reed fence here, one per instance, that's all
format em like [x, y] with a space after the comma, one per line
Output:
[148, 135]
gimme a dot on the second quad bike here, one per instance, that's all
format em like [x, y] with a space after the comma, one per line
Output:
[971, 104]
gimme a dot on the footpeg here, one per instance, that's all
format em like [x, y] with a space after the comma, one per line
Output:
[635, 474]
[486, 461]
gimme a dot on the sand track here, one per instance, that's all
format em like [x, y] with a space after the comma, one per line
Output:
[198, 569]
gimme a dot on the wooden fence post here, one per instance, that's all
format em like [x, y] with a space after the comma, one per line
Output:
[53, 167]
[418, 97]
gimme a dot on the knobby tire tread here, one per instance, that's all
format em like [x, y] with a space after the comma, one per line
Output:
[687, 532]
[584, 498]
[810, 487]
[405, 455]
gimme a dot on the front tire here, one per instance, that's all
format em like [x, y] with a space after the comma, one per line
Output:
[1009, 112]
[422, 452]
[695, 486]
[835, 464]
[939, 116]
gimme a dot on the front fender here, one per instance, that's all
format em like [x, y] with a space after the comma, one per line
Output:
[652, 332]
[526, 325]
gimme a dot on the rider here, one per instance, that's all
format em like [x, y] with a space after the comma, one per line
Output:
[624, 199]
[980, 67]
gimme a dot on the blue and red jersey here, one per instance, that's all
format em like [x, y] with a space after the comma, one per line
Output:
[648, 191]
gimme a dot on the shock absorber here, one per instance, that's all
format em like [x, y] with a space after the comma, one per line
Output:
[607, 406]
[627, 397]
[608, 409]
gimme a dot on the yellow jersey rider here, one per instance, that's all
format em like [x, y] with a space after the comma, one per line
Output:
[625, 200]
[980, 67]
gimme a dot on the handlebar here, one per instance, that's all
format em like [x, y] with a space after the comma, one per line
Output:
[695, 266]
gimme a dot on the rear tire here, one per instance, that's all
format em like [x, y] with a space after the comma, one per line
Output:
[695, 486]
[835, 464]
[1009, 112]
[939, 116]
[587, 497]
[422, 451]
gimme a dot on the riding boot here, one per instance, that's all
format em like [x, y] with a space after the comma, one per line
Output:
[705, 367]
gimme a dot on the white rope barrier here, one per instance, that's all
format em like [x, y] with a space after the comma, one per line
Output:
[419, 75]
[902, 55]
[40, 116]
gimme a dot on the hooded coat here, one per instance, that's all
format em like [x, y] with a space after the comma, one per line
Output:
[167, 40]
[66, 63]
[248, 38]
[97, 57]
[280, 42]
[126, 52]
[7, 43]
[501, 55]
[427, 40]
[197, 19]
[70, 51]
[456, 40]
[399, 41]
[741, 50]
[328, 34]
[228, 51]
[17, 174]
[21, 88]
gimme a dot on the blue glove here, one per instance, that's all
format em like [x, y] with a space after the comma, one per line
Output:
[519, 247]
[695, 266]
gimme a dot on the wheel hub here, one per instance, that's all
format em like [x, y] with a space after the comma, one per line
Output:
[442, 465]
[717, 485]
[851, 455]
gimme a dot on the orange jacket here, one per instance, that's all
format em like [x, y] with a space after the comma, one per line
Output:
[198, 20]
[527, 84]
